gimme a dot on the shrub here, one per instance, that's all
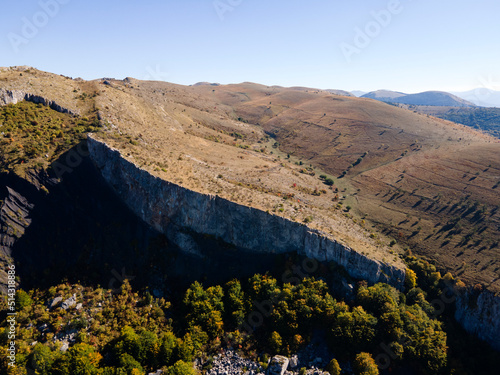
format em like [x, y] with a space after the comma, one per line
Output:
[308, 219]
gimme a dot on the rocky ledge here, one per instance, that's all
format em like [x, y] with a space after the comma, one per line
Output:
[16, 96]
[179, 212]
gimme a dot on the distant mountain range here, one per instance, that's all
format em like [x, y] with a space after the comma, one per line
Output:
[435, 98]
[341, 92]
[358, 93]
[482, 97]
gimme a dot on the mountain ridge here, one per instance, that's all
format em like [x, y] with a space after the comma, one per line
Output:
[377, 177]
[436, 98]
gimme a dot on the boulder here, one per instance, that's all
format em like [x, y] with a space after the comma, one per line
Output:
[294, 362]
[64, 347]
[55, 302]
[69, 302]
[278, 365]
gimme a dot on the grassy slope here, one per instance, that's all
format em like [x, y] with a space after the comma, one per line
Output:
[485, 119]
[429, 183]
[219, 140]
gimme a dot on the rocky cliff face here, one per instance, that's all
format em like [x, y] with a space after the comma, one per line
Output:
[15, 96]
[177, 212]
[14, 220]
[479, 314]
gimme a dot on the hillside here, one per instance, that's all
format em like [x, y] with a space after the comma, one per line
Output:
[398, 160]
[428, 98]
[484, 119]
[211, 182]
[428, 184]
[340, 92]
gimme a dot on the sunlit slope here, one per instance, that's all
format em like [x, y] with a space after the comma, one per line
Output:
[427, 183]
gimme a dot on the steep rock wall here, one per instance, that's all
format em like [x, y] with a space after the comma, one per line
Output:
[15, 96]
[479, 314]
[14, 220]
[177, 211]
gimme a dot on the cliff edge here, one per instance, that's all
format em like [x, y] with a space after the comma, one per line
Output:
[177, 211]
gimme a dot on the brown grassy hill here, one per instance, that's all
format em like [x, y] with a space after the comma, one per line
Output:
[481, 118]
[424, 182]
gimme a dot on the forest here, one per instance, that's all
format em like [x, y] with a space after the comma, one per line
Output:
[77, 329]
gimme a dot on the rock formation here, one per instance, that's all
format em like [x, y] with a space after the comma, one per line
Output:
[479, 313]
[176, 211]
[15, 96]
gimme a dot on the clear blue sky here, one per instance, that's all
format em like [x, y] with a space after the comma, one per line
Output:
[448, 45]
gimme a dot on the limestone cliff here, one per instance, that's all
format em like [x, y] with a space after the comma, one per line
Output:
[479, 314]
[14, 220]
[15, 96]
[177, 212]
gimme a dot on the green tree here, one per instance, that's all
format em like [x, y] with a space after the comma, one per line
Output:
[333, 367]
[364, 364]
[168, 348]
[354, 330]
[41, 359]
[378, 299]
[128, 342]
[199, 337]
[181, 368]
[410, 279]
[23, 300]
[425, 341]
[263, 288]
[204, 308]
[234, 303]
[275, 342]
[129, 364]
[149, 348]
[186, 348]
[83, 360]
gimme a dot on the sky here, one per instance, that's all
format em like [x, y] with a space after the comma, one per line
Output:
[401, 45]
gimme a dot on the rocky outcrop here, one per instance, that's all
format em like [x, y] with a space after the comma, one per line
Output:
[14, 220]
[479, 314]
[230, 363]
[16, 96]
[178, 212]
[278, 365]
